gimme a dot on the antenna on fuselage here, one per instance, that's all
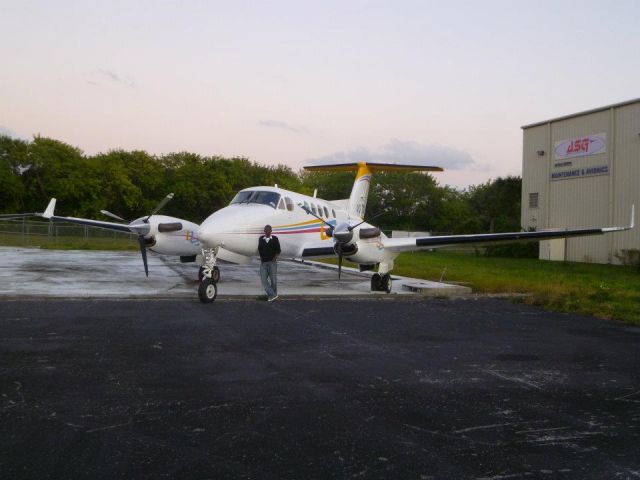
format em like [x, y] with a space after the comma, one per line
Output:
[315, 193]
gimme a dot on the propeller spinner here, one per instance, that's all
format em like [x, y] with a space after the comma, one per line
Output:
[342, 236]
[141, 228]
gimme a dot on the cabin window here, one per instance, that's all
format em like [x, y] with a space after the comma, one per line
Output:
[306, 206]
[289, 204]
[281, 204]
[313, 209]
[334, 213]
[326, 212]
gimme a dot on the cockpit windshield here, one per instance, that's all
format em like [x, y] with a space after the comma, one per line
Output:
[257, 196]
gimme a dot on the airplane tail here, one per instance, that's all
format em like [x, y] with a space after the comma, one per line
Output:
[364, 171]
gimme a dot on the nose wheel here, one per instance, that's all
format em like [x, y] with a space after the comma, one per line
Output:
[215, 274]
[207, 291]
[209, 275]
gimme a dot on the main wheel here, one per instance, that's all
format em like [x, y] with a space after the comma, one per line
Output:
[375, 282]
[215, 275]
[207, 291]
[385, 283]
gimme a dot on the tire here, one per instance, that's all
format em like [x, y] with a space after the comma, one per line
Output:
[385, 283]
[207, 291]
[375, 282]
[215, 275]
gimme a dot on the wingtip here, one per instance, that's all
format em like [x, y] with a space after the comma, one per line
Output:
[48, 213]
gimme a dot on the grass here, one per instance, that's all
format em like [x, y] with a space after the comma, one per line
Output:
[606, 291]
[68, 242]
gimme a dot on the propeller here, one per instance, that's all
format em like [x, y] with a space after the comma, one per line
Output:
[142, 228]
[341, 233]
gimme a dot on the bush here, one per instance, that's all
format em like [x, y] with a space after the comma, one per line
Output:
[513, 250]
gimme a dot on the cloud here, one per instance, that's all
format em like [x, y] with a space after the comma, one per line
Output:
[405, 152]
[283, 126]
[6, 132]
[103, 75]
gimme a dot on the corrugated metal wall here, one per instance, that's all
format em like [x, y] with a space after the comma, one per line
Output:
[626, 174]
[581, 202]
[585, 201]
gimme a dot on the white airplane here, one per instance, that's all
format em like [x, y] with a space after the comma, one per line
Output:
[307, 226]
[337, 228]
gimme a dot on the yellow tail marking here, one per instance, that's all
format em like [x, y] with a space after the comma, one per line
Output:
[363, 169]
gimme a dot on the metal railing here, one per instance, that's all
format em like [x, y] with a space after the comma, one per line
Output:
[23, 232]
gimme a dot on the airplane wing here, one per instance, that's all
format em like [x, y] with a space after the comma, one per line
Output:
[421, 243]
[11, 216]
[49, 215]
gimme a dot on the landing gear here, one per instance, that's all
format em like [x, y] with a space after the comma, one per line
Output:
[381, 283]
[215, 274]
[385, 283]
[375, 282]
[207, 291]
[209, 275]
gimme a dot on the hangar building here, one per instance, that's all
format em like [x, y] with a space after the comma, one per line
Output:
[583, 170]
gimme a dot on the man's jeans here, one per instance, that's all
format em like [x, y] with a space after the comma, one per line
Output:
[269, 277]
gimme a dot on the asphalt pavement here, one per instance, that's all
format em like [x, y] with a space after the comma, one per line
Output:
[298, 389]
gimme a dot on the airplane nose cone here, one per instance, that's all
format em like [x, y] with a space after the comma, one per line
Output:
[215, 230]
[212, 233]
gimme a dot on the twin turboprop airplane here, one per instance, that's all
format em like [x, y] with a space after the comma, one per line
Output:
[308, 227]
[337, 228]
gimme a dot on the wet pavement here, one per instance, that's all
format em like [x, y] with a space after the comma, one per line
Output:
[400, 387]
[101, 274]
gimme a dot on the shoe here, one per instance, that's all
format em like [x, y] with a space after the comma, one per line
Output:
[271, 299]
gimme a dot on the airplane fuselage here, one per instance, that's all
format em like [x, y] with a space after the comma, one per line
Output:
[238, 226]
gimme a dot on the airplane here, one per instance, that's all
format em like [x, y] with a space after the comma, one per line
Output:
[307, 226]
[336, 228]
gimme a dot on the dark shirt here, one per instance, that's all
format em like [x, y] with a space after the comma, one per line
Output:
[268, 250]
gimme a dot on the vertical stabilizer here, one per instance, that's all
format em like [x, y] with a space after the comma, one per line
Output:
[360, 189]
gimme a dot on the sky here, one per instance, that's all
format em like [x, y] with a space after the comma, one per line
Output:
[291, 82]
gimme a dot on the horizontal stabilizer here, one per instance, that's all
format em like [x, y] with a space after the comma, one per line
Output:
[373, 167]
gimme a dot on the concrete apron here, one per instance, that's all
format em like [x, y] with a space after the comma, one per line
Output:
[28, 272]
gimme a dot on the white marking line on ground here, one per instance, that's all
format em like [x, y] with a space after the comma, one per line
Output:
[627, 396]
[521, 381]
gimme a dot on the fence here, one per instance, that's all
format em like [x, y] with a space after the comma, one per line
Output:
[25, 232]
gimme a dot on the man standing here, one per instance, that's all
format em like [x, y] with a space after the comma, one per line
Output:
[269, 249]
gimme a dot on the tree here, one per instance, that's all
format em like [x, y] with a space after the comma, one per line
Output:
[497, 203]
[12, 157]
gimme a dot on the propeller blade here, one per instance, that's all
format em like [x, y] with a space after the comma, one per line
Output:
[339, 264]
[301, 205]
[162, 203]
[367, 220]
[112, 215]
[143, 251]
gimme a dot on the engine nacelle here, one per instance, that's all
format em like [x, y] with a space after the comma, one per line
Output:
[172, 236]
